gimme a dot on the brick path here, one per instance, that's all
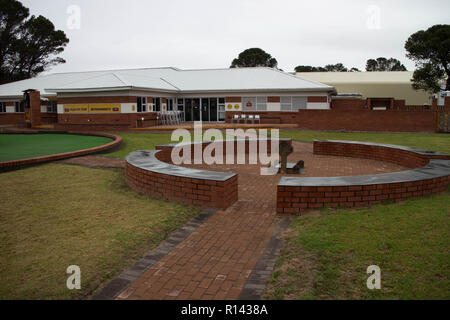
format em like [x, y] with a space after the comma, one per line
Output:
[215, 260]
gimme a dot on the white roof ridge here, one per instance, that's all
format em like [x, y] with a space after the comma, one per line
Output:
[120, 79]
[170, 84]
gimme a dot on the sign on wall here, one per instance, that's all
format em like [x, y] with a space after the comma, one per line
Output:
[92, 108]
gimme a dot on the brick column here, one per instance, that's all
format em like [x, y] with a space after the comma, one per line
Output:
[35, 108]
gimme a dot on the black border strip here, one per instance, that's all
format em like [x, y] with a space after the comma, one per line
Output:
[256, 283]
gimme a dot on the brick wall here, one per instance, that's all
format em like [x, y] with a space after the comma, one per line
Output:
[297, 199]
[11, 118]
[205, 193]
[367, 120]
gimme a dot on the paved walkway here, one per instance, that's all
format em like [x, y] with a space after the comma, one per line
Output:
[215, 261]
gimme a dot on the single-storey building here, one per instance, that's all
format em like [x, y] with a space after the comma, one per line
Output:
[117, 99]
[395, 85]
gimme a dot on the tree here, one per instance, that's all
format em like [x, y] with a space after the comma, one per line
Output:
[383, 64]
[309, 69]
[29, 45]
[338, 67]
[254, 57]
[430, 50]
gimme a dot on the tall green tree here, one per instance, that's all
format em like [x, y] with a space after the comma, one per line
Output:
[29, 45]
[430, 50]
[254, 57]
[383, 64]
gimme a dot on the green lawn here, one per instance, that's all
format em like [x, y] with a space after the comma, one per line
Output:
[22, 146]
[326, 254]
[139, 141]
[57, 215]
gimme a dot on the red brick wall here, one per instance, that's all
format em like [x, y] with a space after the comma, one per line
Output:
[205, 193]
[300, 199]
[367, 120]
[402, 157]
[297, 199]
[348, 104]
[11, 118]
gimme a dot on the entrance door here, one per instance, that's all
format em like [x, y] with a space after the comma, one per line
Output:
[196, 110]
[188, 110]
[213, 109]
[205, 109]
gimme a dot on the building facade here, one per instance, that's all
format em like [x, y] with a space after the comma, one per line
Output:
[133, 98]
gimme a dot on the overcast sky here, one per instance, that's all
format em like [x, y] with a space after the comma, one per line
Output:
[116, 34]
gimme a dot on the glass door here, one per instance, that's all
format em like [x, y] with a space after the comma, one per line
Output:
[188, 110]
[196, 116]
[205, 109]
[213, 109]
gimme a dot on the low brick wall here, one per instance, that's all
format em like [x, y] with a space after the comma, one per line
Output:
[201, 192]
[17, 164]
[151, 172]
[431, 175]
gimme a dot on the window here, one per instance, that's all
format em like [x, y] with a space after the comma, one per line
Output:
[286, 103]
[180, 104]
[261, 103]
[2, 107]
[169, 104]
[221, 107]
[52, 107]
[157, 102]
[141, 104]
[19, 106]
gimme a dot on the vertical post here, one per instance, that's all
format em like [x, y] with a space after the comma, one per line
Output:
[35, 108]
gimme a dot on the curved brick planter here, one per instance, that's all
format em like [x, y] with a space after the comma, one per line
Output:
[16, 164]
[145, 173]
[430, 174]
[151, 172]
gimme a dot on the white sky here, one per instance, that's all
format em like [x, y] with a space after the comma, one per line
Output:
[116, 34]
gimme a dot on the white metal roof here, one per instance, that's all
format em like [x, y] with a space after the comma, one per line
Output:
[167, 80]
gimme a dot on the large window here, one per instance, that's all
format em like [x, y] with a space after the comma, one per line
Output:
[19, 106]
[2, 107]
[221, 109]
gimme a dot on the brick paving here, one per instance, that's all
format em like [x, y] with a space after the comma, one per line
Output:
[217, 258]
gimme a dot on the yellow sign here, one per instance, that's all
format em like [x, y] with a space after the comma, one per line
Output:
[104, 108]
[76, 108]
[230, 106]
[92, 108]
[236, 106]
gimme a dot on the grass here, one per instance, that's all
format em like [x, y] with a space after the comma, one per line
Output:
[56, 215]
[22, 146]
[142, 141]
[429, 141]
[326, 255]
